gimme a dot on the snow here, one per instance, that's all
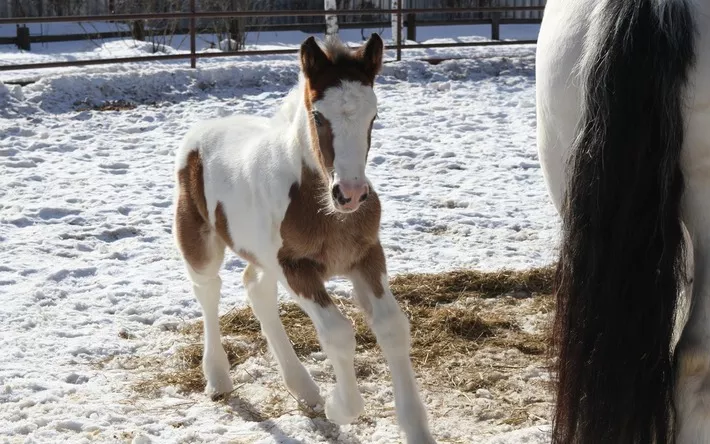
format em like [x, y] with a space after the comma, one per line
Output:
[86, 251]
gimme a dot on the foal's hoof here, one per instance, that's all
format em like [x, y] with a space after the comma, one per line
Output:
[305, 390]
[343, 412]
[424, 438]
[312, 400]
[219, 388]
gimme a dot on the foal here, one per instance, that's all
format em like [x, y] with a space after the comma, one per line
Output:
[290, 196]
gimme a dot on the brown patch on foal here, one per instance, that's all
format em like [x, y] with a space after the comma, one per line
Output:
[191, 179]
[318, 245]
[305, 277]
[329, 66]
[322, 136]
[373, 268]
[191, 213]
[221, 225]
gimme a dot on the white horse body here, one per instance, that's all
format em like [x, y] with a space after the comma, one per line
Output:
[567, 33]
[560, 49]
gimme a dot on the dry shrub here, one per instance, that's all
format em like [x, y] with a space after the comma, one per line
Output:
[115, 105]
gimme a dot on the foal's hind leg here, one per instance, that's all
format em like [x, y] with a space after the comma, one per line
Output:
[206, 285]
[203, 253]
[391, 328]
[261, 290]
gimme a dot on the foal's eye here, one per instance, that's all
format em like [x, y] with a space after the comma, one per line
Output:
[317, 118]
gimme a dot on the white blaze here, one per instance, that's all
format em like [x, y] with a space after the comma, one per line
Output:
[350, 109]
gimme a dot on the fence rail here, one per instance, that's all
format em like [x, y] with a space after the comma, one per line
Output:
[194, 15]
[256, 13]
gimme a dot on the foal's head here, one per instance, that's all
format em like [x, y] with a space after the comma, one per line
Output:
[343, 107]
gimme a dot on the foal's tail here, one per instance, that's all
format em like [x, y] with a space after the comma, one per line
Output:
[621, 261]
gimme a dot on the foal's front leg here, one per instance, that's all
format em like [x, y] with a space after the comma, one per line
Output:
[391, 328]
[336, 335]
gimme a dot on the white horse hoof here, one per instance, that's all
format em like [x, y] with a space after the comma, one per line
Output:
[343, 412]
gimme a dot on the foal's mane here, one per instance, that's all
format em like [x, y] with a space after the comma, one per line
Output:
[336, 50]
[287, 110]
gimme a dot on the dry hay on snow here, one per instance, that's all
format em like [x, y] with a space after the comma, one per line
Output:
[478, 345]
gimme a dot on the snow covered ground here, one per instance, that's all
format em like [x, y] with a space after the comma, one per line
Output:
[86, 252]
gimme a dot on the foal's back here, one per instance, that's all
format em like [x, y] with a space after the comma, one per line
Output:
[234, 137]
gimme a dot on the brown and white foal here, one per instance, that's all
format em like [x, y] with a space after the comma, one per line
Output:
[290, 196]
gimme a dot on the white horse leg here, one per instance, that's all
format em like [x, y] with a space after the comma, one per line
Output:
[206, 285]
[262, 293]
[391, 328]
[692, 396]
[336, 335]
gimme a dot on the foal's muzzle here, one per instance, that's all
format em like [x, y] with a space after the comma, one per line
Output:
[348, 196]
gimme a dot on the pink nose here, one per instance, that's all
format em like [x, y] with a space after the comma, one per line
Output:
[350, 195]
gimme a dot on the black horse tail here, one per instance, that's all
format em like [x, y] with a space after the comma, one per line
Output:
[621, 262]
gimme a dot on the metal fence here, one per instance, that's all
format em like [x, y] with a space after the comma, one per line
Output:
[496, 13]
[45, 8]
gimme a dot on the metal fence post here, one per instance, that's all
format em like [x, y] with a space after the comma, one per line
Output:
[23, 38]
[399, 30]
[495, 25]
[193, 45]
[411, 27]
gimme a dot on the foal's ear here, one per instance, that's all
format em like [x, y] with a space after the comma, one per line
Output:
[371, 54]
[313, 59]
